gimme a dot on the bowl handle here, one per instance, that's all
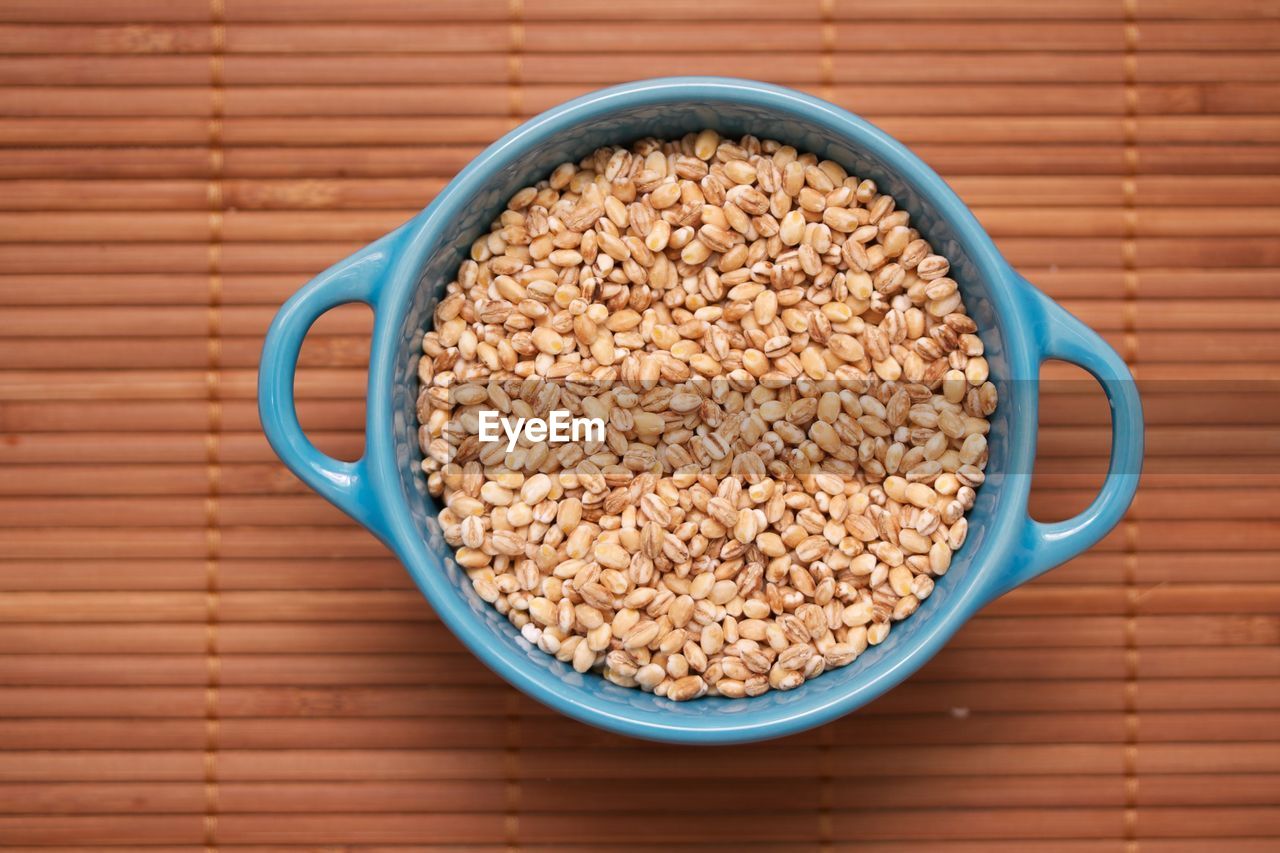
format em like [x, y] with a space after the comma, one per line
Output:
[344, 484]
[1064, 337]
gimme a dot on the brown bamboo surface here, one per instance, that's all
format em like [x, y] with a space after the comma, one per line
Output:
[196, 651]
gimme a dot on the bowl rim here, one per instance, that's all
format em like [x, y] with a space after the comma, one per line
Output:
[420, 236]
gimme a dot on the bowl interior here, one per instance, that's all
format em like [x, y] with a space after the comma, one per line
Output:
[481, 193]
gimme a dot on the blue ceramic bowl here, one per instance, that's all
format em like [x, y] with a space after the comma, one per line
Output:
[402, 275]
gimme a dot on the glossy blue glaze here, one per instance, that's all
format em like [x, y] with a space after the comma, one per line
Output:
[402, 275]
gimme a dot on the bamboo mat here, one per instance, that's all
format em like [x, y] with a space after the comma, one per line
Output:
[195, 651]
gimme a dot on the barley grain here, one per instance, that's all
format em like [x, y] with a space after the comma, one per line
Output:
[796, 408]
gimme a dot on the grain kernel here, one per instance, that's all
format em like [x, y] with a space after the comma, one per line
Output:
[729, 537]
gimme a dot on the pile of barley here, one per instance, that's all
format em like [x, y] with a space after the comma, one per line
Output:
[796, 404]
